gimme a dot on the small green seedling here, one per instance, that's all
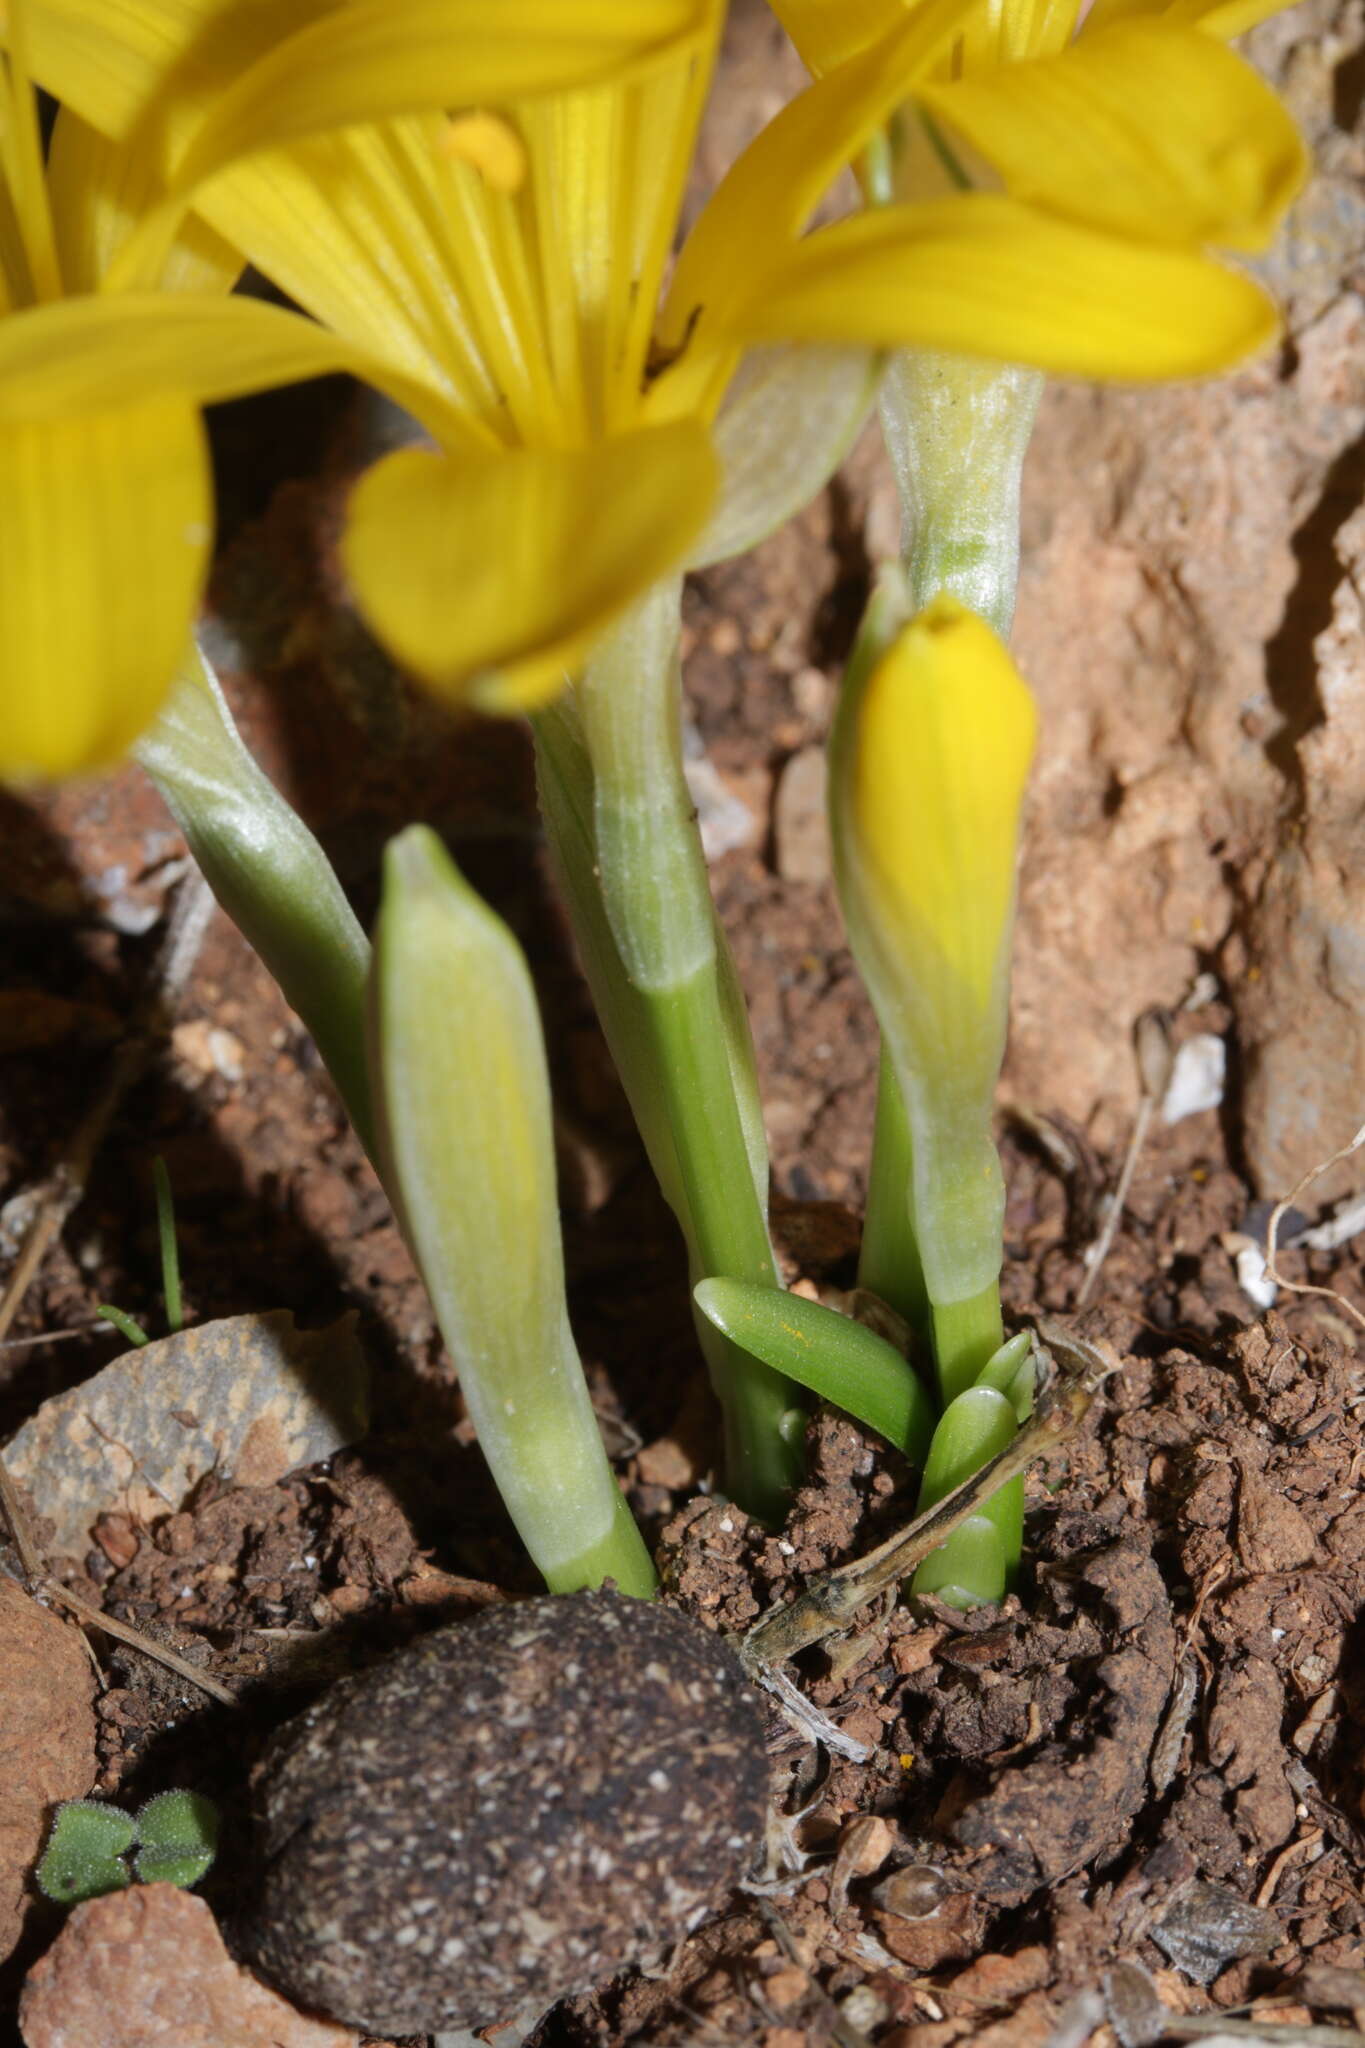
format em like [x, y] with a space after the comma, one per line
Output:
[175, 1836]
[170, 1268]
[84, 1855]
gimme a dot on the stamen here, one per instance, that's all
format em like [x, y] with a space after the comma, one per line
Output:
[490, 144]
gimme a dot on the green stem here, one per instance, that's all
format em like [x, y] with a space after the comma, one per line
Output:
[967, 1334]
[729, 1235]
[620, 1556]
[663, 1111]
[269, 874]
[957, 430]
[623, 834]
[889, 1263]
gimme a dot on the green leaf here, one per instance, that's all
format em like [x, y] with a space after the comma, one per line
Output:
[269, 874]
[466, 1140]
[969, 1570]
[178, 1834]
[1010, 1370]
[82, 1859]
[973, 1429]
[842, 1361]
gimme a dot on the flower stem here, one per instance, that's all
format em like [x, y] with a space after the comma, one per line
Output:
[889, 1264]
[623, 834]
[957, 431]
[729, 1236]
[966, 1335]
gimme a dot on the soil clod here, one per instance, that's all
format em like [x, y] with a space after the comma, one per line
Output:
[506, 1812]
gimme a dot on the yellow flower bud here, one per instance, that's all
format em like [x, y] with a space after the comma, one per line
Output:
[930, 760]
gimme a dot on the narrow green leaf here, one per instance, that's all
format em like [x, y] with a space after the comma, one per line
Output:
[973, 1428]
[269, 874]
[969, 1570]
[170, 1251]
[842, 1361]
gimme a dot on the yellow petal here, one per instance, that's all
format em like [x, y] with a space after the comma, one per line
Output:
[1221, 18]
[100, 189]
[374, 59]
[829, 32]
[89, 354]
[987, 276]
[103, 550]
[357, 228]
[609, 171]
[1225, 18]
[492, 576]
[1141, 129]
[944, 734]
[299, 67]
[769, 194]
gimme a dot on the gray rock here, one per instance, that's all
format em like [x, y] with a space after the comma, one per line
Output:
[507, 1812]
[250, 1397]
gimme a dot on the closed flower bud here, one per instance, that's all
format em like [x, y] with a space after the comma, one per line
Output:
[930, 759]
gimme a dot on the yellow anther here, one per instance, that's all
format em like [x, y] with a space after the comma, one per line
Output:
[490, 144]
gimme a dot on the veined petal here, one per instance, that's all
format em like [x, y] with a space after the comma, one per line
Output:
[103, 551]
[491, 576]
[267, 74]
[360, 228]
[609, 169]
[987, 276]
[1140, 129]
[91, 354]
[1221, 18]
[829, 32]
[153, 64]
[789, 419]
[100, 190]
[770, 193]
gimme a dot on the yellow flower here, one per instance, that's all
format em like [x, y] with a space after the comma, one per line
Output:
[1055, 198]
[828, 32]
[510, 262]
[929, 761]
[1132, 148]
[103, 462]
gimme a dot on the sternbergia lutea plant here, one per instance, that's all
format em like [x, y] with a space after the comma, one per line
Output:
[479, 209]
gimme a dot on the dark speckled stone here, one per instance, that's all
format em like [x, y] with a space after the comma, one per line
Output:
[510, 1810]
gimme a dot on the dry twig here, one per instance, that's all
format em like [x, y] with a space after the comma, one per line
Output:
[1277, 1216]
[1152, 1043]
[830, 1601]
[42, 1585]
